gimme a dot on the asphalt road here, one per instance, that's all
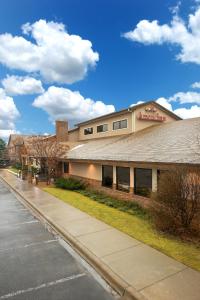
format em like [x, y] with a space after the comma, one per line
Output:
[33, 264]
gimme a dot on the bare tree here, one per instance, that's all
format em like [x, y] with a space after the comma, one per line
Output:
[46, 151]
[176, 205]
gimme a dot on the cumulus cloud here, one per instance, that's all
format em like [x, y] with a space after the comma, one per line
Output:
[187, 113]
[183, 98]
[187, 97]
[175, 9]
[64, 104]
[8, 114]
[178, 33]
[196, 85]
[5, 133]
[165, 103]
[18, 85]
[137, 103]
[55, 54]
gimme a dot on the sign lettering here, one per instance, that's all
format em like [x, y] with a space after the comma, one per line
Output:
[151, 117]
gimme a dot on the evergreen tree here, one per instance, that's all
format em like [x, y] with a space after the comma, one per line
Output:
[2, 148]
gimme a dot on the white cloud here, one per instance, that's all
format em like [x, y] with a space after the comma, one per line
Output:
[18, 85]
[175, 9]
[64, 104]
[183, 98]
[56, 55]
[196, 85]
[178, 33]
[8, 114]
[187, 97]
[5, 133]
[165, 103]
[187, 113]
[137, 103]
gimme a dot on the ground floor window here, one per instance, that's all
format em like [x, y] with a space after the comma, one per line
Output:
[66, 167]
[143, 181]
[123, 178]
[107, 176]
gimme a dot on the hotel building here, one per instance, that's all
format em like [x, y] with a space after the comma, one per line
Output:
[124, 152]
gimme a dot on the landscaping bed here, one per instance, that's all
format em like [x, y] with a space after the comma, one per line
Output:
[131, 219]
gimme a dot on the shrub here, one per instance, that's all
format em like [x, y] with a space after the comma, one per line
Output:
[17, 166]
[176, 204]
[130, 207]
[69, 184]
[34, 170]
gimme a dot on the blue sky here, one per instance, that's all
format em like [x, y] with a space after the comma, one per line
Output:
[128, 61]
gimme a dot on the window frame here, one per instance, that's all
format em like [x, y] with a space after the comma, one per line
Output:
[102, 179]
[106, 124]
[85, 129]
[117, 177]
[120, 121]
[135, 187]
[65, 167]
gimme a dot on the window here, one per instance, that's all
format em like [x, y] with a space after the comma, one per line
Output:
[88, 130]
[102, 128]
[107, 176]
[66, 167]
[143, 182]
[120, 124]
[123, 178]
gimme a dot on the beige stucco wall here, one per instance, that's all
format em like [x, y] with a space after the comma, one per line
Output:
[73, 135]
[110, 131]
[86, 170]
[141, 124]
[94, 172]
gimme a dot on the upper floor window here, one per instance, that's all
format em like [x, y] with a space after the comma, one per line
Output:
[120, 124]
[102, 128]
[88, 130]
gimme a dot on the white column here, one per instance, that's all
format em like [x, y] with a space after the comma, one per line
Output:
[131, 179]
[114, 177]
[154, 180]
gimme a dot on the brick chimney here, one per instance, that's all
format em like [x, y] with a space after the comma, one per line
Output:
[62, 131]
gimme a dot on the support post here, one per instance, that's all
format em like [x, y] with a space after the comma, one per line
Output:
[131, 180]
[154, 180]
[114, 178]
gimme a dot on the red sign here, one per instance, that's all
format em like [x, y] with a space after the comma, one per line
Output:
[149, 117]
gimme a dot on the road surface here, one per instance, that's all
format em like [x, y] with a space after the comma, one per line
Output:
[34, 265]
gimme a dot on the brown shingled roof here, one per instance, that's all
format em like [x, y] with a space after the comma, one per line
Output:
[175, 142]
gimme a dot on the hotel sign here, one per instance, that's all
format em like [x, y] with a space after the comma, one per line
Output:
[151, 114]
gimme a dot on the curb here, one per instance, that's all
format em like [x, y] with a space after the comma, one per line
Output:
[126, 291]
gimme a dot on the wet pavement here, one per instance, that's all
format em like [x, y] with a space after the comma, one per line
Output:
[33, 264]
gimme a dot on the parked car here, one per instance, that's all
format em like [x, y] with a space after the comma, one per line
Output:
[4, 163]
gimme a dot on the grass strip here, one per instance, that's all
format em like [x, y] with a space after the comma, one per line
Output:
[137, 225]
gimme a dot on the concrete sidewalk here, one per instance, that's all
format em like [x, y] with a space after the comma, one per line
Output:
[134, 269]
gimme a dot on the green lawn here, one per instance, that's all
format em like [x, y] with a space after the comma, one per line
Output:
[133, 225]
[13, 170]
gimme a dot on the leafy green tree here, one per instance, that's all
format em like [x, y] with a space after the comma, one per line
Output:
[2, 148]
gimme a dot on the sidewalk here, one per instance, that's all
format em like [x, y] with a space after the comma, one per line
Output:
[134, 269]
